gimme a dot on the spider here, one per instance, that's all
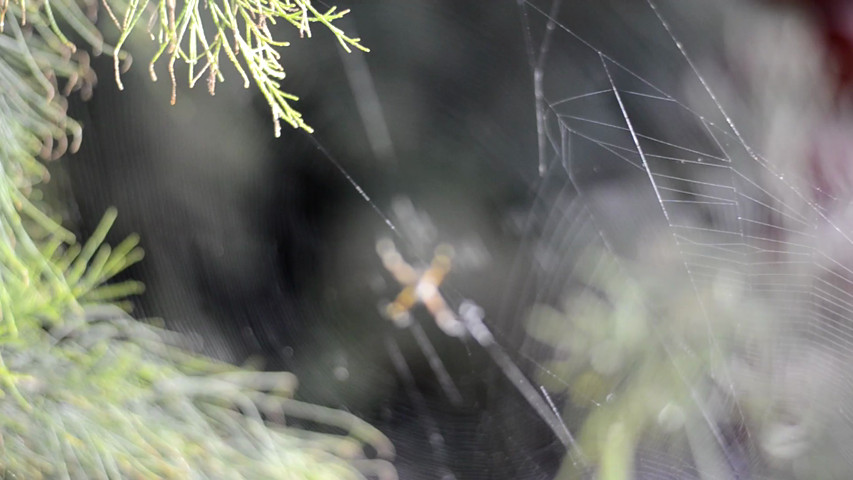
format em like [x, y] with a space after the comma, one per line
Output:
[423, 288]
[419, 287]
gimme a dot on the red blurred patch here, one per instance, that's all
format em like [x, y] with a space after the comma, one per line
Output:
[835, 21]
[830, 162]
[831, 165]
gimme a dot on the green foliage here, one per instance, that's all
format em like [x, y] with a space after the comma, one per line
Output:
[85, 390]
[197, 33]
[632, 354]
[240, 30]
[105, 396]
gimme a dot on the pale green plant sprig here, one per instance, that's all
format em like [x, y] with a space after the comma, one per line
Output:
[33, 126]
[43, 280]
[240, 32]
[32, 102]
[45, 16]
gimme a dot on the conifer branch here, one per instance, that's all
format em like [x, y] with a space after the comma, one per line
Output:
[85, 390]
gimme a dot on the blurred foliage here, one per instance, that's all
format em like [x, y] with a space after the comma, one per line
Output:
[635, 359]
[87, 391]
[105, 396]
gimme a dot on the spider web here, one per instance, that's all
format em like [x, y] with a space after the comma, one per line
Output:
[646, 174]
[730, 220]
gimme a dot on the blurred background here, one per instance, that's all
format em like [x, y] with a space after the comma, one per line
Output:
[633, 192]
